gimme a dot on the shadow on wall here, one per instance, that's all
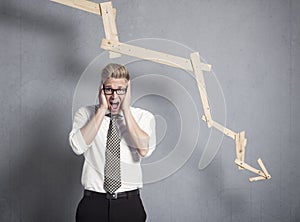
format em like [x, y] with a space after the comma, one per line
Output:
[42, 174]
[22, 18]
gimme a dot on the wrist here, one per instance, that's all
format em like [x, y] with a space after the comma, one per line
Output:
[126, 111]
[102, 109]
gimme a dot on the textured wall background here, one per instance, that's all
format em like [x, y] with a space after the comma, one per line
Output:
[254, 47]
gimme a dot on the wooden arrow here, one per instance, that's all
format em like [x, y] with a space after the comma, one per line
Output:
[263, 173]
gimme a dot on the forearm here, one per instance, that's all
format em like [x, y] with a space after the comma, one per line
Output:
[139, 139]
[89, 131]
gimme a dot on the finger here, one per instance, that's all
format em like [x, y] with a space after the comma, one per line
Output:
[128, 87]
[101, 87]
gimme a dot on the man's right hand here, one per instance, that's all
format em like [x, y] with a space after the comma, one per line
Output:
[102, 100]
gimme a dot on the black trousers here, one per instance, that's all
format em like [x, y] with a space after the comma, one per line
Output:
[97, 208]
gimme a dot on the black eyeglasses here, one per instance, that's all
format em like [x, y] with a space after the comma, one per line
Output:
[110, 91]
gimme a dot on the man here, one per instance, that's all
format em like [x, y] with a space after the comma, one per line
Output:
[113, 137]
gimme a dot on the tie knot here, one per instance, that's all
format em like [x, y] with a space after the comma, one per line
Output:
[113, 116]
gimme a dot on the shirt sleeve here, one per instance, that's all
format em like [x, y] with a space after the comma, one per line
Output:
[76, 139]
[147, 124]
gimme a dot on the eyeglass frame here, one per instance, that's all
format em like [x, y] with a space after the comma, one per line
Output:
[114, 90]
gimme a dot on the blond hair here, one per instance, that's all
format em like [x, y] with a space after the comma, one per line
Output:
[114, 70]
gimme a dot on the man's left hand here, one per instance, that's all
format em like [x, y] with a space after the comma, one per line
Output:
[126, 102]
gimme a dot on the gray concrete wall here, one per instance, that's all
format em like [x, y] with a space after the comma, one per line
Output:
[254, 47]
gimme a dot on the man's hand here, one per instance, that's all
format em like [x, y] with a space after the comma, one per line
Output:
[139, 138]
[125, 106]
[102, 99]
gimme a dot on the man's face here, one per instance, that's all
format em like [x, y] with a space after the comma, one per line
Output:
[114, 100]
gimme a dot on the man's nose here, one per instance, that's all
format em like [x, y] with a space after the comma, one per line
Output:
[114, 94]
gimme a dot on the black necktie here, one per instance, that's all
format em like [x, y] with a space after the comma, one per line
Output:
[112, 169]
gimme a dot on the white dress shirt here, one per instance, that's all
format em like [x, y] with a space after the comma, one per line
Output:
[94, 154]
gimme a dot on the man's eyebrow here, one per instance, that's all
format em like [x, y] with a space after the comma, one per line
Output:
[118, 87]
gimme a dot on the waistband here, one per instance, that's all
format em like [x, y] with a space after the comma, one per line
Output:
[113, 196]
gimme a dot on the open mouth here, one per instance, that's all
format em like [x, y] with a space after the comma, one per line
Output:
[114, 106]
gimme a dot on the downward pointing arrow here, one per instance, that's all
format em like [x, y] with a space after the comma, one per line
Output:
[263, 173]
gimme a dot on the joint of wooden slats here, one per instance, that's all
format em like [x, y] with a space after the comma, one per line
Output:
[110, 27]
[205, 119]
[264, 169]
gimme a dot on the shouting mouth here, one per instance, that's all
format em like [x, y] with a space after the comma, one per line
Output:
[114, 106]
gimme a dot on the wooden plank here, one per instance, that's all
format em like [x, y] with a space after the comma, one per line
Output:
[196, 63]
[264, 169]
[109, 24]
[151, 55]
[250, 168]
[240, 144]
[254, 179]
[87, 6]
[223, 129]
[84, 5]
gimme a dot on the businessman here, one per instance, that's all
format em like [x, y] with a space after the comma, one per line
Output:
[113, 137]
